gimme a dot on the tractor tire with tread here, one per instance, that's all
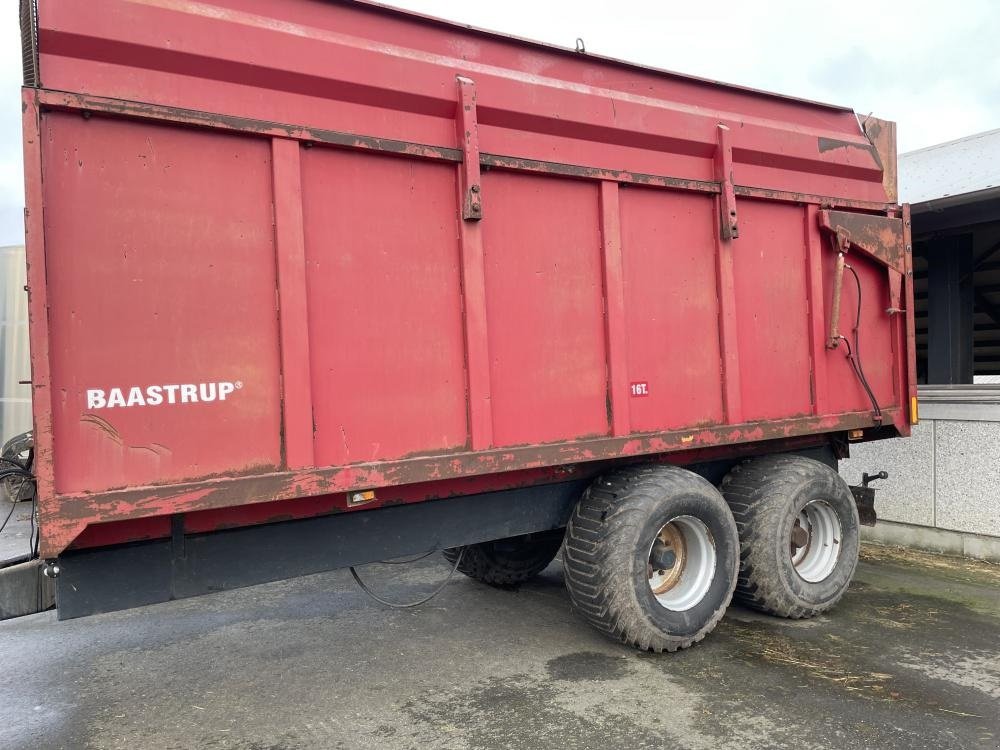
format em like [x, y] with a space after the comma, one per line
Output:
[505, 563]
[607, 552]
[767, 495]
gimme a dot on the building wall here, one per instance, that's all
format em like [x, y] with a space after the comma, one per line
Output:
[15, 398]
[946, 477]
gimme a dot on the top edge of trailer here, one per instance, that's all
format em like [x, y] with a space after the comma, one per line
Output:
[431, 20]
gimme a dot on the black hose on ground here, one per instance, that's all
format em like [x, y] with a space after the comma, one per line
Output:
[408, 605]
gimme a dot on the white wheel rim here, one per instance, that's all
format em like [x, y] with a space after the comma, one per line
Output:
[815, 554]
[681, 585]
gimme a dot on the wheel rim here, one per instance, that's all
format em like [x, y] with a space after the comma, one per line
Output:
[681, 563]
[815, 541]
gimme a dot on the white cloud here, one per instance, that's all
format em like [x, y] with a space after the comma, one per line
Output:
[929, 65]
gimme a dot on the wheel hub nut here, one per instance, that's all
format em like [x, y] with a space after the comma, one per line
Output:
[662, 557]
[800, 537]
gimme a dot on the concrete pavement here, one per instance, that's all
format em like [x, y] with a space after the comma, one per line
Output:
[911, 658]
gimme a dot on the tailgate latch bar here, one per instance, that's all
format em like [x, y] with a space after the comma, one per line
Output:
[729, 226]
[843, 246]
[468, 139]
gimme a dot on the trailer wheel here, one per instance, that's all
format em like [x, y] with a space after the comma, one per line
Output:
[651, 556]
[799, 534]
[508, 562]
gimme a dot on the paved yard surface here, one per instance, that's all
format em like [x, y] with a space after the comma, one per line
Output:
[910, 659]
[15, 540]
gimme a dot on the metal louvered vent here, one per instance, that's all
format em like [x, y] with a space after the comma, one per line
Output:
[29, 42]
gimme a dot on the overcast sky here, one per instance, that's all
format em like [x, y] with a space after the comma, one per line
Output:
[932, 66]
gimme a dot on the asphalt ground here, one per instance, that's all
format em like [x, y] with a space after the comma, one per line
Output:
[16, 535]
[910, 659]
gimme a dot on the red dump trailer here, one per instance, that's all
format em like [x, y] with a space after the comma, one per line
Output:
[314, 284]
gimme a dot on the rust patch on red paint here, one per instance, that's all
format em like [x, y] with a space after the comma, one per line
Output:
[826, 201]
[832, 144]
[595, 173]
[882, 134]
[65, 518]
[56, 100]
[118, 532]
[880, 237]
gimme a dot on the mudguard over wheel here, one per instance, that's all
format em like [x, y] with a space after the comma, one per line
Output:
[508, 562]
[650, 557]
[799, 534]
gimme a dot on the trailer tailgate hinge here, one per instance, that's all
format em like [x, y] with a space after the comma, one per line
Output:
[468, 139]
[729, 224]
[877, 237]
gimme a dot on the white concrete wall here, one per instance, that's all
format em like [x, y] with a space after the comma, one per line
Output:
[15, 398]
[967, 471]
[945, 478]
[907, 496]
